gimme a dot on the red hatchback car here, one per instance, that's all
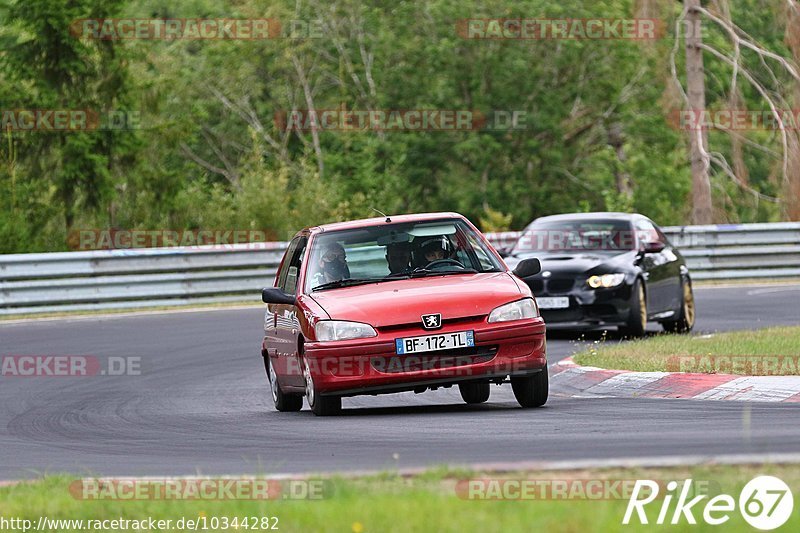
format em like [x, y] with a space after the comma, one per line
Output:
[401, 303]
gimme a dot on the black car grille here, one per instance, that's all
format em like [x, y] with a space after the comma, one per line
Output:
[560, 285]
[536, 285]
[416, 362]
[551, 286]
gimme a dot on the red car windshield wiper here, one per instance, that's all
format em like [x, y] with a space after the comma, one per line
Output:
[422, 272]
[348, 283]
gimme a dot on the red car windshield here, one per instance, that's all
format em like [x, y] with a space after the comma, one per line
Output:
[395, 251]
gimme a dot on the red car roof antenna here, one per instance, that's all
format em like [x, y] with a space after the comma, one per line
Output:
[381, 213]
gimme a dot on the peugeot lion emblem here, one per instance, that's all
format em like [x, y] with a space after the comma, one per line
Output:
[433, 321]
[546, 274]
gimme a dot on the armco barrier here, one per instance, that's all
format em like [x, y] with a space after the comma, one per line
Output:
[726, 252]
[79, 281]
[108, 279]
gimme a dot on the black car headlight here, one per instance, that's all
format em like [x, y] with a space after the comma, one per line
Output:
[606, 281]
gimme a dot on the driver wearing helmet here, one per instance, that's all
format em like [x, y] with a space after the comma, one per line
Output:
[436, 249]
[332, 265]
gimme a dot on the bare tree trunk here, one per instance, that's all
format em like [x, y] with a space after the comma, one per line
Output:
[793, 194]
[623, 179]
[301, 75]
[698, 143]
[735, 101]
[792, 38]
[485, 186]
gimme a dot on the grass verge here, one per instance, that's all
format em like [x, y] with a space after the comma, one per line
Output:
[427, 502]
[132, 310]
[770, 351]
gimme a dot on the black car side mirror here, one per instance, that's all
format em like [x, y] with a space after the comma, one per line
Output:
[527, 268]
[653, 247]
[503, 252]
[274, 295]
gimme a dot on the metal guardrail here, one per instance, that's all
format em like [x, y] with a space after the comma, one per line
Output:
[726, 252]
[109, 279]
[113, 279]
[739, 251]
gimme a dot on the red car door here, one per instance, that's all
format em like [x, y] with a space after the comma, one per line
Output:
[287, 325]
[279, 343]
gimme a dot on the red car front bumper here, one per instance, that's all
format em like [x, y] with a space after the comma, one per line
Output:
[372, 366]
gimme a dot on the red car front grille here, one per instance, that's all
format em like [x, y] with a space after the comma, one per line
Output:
[445, 322]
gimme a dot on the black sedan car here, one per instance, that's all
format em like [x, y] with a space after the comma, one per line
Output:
[606, 269]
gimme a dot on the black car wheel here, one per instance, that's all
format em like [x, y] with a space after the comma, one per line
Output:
[637, 320]
[686, 317]
[320, 405]
[474, 392]
[283, 402]
[531, 391]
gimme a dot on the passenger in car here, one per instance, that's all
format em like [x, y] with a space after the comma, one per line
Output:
[398, 256]
[332, 265]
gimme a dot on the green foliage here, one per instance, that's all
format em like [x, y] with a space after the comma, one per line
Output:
[208, 153]
[493, 220]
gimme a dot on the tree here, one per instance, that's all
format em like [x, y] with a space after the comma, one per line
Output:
[62, 72]
[696, 97]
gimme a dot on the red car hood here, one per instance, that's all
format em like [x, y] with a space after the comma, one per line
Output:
[404, 301]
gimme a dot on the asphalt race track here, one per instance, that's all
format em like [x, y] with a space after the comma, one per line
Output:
[202, 405]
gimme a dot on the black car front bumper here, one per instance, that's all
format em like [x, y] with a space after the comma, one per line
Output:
[587, 307]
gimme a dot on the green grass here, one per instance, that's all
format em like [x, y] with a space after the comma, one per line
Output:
[745, 281]
[129, 310]
[426, 502]
[771, 351]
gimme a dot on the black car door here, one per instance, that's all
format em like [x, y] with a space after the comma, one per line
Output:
[657, 263]
[674, 287]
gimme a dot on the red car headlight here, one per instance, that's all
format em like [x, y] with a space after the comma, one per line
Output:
[518, 310]
[340, 330]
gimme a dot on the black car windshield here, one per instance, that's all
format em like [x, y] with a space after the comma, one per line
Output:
[392, 251]
[577, 235]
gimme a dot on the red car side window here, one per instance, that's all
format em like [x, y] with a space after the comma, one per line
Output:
[287, 259]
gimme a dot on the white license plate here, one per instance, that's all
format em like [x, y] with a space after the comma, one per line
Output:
[433, 343]
[553, 303]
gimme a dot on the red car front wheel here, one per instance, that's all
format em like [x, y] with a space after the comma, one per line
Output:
[531, 391]
[320, 405]
[283, 402]
[473, 393]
